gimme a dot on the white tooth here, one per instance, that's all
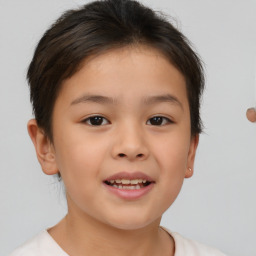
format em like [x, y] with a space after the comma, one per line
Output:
[118, 181]
[134, 182]
[125, 181]
[138, 187]
[115, 186]
[112, 181]
[144, 181]
[120, 186]
[140, 180]
[131, 187]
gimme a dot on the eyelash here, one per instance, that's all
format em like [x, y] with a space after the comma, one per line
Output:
[103, 121]
[100, 118]
[157, 118]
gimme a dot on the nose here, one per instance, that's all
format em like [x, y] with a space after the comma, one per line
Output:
[130, 143]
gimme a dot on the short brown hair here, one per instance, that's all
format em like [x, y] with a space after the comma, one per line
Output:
[95, 28]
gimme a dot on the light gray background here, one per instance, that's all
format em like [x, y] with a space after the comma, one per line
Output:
[217, 206]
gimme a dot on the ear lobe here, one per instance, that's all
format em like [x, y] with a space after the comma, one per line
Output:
[191, 156]
[44, 148]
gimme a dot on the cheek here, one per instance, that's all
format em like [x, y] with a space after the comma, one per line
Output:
[79, 167]
[79, 159]
[172, 154]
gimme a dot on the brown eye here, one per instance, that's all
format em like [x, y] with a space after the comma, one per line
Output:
[158, 120]
[96, 120]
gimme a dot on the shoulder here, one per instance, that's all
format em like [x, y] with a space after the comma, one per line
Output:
[184, 247]
[32, 247]
[40, 245]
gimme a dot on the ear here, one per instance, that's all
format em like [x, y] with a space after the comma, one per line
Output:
[191, 155]
[44, 148]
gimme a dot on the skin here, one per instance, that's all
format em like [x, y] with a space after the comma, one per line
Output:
[251, 114]
[99, 222]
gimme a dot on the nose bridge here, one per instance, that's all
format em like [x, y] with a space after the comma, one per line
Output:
[130, 141]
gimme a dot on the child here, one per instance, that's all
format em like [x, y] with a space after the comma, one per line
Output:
[116, 93]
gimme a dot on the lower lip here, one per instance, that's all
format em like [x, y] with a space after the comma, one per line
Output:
[130, 194]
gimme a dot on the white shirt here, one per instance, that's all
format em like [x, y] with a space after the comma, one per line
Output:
[44, 245]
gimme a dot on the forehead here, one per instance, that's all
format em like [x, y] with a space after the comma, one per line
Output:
[130, 71]
[129, 56]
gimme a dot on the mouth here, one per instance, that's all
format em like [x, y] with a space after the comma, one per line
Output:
[128, 184]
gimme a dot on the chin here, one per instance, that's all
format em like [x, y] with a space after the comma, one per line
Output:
[128, 226]
[131, 222]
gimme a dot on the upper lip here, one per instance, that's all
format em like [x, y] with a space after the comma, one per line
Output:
[130, 176]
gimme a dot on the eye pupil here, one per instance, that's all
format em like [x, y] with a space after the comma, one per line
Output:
[96, 120]
[157, 120]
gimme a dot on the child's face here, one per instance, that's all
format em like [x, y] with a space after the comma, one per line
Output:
[104, 129]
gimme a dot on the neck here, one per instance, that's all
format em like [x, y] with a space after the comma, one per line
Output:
[79, 234]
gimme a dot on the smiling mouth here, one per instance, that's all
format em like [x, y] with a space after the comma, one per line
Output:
[133, 184]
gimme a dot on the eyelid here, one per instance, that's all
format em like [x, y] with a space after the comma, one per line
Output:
[167, 119]
[87, 119]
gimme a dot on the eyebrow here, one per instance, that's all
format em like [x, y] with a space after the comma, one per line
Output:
[163, 98]
[150, 100]
[93, 98]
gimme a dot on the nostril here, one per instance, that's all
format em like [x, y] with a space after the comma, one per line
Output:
[122, 155]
